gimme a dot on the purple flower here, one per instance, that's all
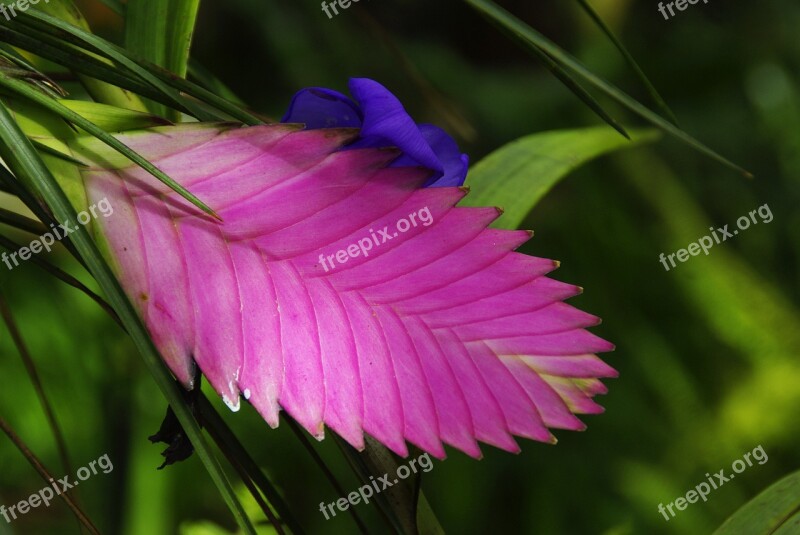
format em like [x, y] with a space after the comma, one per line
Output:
[383, 122]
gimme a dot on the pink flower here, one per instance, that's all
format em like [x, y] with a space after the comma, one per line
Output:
[438, 333]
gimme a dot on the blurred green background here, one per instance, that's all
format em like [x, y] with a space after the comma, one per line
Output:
[708, 353]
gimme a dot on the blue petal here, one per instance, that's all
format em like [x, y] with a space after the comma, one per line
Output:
[386, 123]
[318, 107]
[454, 162]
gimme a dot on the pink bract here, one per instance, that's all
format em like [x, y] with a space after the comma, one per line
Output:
[443, 334]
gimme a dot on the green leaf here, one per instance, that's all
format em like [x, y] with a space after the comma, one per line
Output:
[182, 18]
[21, 157]
[201, 74]
[406, 499]
[160, 31]
[146, 30]
[23, 89]
[567, 79]
[776, 511]
[427, 523]
[533, 39]
[517, 175]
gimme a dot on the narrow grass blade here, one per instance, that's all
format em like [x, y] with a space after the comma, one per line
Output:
[67, 12]
[218, 95]
[207, 80]
[22, 89]
[13, 186]
[252, 488]
[22, 158]
[160, 79]
[40, 20]
[206, 96]
[16, 58]
[160, 31]
[79, 61]
[36, 381]
[19, 221]
[60, 274]
[363, 472]
[33, 375]
[301, 436]
[146, 36]
[658, 100]
[228, 441]
[45, 475]
[274, 521]
[112, 118]
[576, 88]
[404, 507]
[57, 153]
[533, 39]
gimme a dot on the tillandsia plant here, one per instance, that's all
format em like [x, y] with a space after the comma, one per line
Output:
[318, 291]
[325, 265]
